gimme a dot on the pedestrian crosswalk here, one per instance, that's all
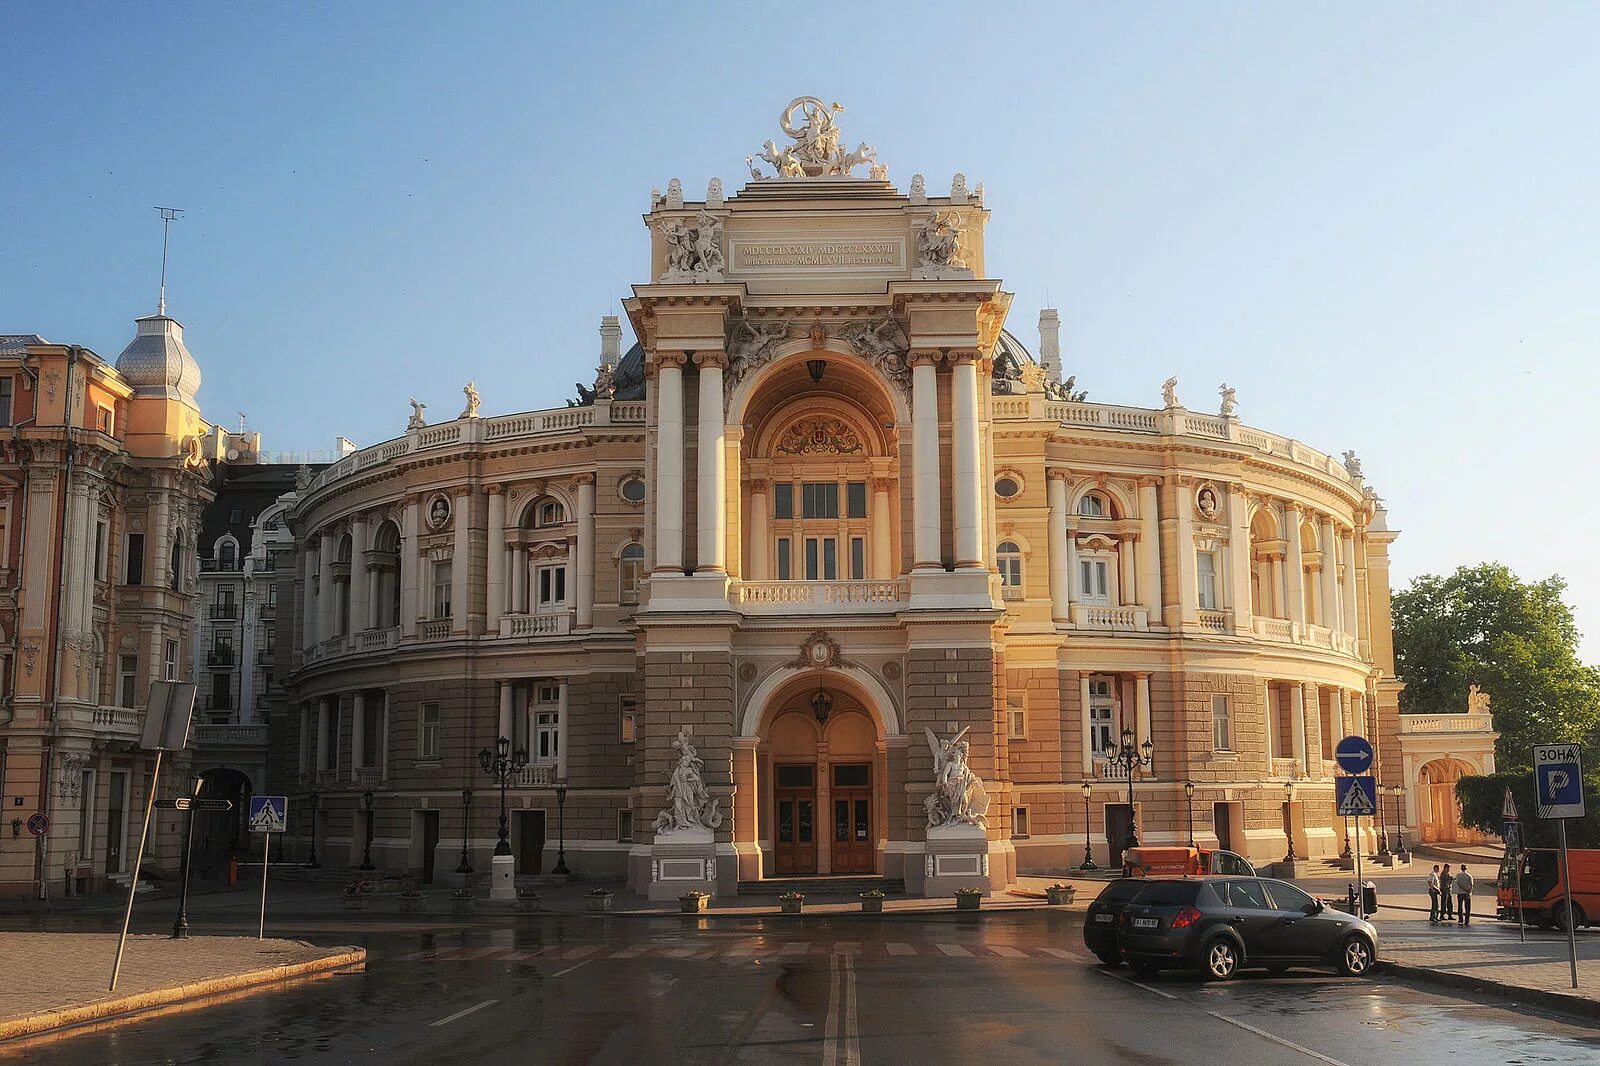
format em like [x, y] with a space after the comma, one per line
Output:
[737, 953]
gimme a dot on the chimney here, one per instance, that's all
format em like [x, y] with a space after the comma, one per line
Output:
[1050, 342]
[610, 340]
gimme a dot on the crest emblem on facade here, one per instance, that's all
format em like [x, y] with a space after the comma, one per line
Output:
[819, 436]
[819, 651]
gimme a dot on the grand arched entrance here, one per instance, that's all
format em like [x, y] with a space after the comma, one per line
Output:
[1439, 813]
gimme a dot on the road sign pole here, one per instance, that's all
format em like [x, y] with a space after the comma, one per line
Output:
[138, 858]
[1361, 887]
[266, 864]
[1522, 920]
[1566, 882]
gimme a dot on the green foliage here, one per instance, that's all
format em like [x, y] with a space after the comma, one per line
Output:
[1515, 640]
[1482, 800]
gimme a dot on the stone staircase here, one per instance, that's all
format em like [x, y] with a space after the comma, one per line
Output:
[849, 886]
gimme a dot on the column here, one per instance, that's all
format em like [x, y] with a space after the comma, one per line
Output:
[1059, 547]
[1141, 707]
[1328, 612]
[360, 598]
[760, 511]
[507, 694]
[1269, 717]
[711, 526]
[584, 555]
[925, 489]
[746, 789]
[324, 743]
[520, 579]
[495, 583]
[327, 600]
[669, 464]
[158, 548]
[1150, 550]
[1342, 712]
[1088, 732]
[1294, 580]
[410, 564]
[461, 562]
[562, 734]
[1347, 549]
[308, 600]
[1188, 588]
[1297, 724]
[882, 526]
[358, 732]
[1127, 576]
[966, 474]
[1239, 557]
[1280, 606]
[1311, 705]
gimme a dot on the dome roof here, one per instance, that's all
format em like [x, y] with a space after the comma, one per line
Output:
[157, 359]
[629, 378]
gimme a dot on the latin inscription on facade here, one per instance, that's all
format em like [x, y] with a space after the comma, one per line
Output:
[887, 253]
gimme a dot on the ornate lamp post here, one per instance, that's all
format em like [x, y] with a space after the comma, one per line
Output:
[1383, 831]
[1088, 858]
[1399, 794]
[561, 829]
[366, 852]
[1188, 799]
[1288, 819]
[500, 764]
[312, 862]
[1129, 758]
[465, 865]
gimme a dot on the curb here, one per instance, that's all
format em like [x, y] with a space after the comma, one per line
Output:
[1564, 1002]
[45, 1021]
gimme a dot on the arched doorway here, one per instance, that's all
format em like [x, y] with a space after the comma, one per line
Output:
[220, 834]
[1439, 816]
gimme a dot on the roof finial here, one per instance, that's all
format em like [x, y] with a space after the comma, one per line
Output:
[169, 215]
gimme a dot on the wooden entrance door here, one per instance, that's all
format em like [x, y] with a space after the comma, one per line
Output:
[1222, 823]
[114, 826]
[1119, 827]
[430, 843]
[794, 810]
[530, 842]
[1446, 811]
[851, 797]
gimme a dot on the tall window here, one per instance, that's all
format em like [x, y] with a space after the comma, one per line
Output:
[547, 723]
[858, 558]
[1101, 706]
[552, 586]
[1206, 577]
[630, 570]
[133, 566]
[1221, 724]
[1092, 506]
[1009, 559]
[441, 589]
[822, 558]
[624, 826]
[1016, 718]
[783, 500]
[819, 499]
[630, 720]
[1094, 580]
[550, 513]
[785, 562]
[177, 562]
[99, 551]
[6, 385]
[170, 664]
[227, 555]
[1019, 821]
[428, 738]
[128, 681]
[856, 499]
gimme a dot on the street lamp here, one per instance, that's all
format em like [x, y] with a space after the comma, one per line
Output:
[561, 829]
[500, 764]
[1188, 799]
[1129, 758]
[180, 927]
[1383, 830]
[465, 866]
[1288, 818]
[1399, 794]
[366, 851]
[1088, 859]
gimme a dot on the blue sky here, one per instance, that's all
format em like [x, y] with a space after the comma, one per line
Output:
[1378, 222]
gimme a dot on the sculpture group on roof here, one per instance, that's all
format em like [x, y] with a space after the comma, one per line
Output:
[817, 150]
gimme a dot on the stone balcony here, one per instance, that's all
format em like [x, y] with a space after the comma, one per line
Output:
[118, 723]
[1096, 616]
[821, 597]
[1283, 631]
[536, 625]
[542, 775]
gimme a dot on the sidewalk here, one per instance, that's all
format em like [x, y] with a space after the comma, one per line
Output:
[156, 971]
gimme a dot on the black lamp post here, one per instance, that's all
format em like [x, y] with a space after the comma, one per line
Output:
[366, 851]
[500, 764]
[1288, 818]
[465, 866]
[1346, 853]
[180, 927]
[1088, 859]
[1399, 793]
[561, 829]
[312, 862]
[1383, 830]
[1130, 757]
[1188, 799]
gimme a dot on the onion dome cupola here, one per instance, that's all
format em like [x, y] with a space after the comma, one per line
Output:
[156, 362]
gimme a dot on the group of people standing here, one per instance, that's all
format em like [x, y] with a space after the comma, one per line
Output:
[1450, 895]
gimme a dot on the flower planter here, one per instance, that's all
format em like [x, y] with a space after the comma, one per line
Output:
[1060, 894]
[871, 904]
[693, 903]
[969, 901]
[411, 904]
[529, 901]
[461, 906]
[597, 902]
[791, 905]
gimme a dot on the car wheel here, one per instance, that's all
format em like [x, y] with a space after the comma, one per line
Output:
[1221, 959]
[1356, 957]
[1108, 958]
[1559, 911]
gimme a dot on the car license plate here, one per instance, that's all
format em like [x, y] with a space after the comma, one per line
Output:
[1102, 918]
[1146, 923]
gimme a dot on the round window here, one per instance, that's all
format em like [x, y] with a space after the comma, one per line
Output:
[632, 490]
[1006, 487]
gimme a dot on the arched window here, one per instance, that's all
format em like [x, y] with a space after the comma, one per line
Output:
[1092, 505]
[1009, 559]
[630, 569]
[549, 512]
[177, 562]
[227, 554]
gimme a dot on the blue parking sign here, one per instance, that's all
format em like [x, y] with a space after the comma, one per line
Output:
[1558, 779]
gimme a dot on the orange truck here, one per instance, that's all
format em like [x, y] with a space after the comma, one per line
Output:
[1544, 890]
[1166, 862]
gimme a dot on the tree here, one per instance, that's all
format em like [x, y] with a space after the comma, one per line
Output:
[1482, 801]
[1516, 641]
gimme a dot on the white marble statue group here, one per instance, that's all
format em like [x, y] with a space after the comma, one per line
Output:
[693, 252]
[817, 150]
[689, 805]
[958, 796]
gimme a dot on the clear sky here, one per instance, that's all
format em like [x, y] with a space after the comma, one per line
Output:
[1378, 222]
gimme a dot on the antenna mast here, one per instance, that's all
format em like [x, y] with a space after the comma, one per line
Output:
[169, 215]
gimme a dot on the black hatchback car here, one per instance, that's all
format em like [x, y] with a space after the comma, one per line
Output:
[1100, 923]
[1218, 924]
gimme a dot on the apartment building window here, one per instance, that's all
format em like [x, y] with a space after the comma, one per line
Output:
[1016, 718]
[630, 570]
[1094, 580]
[1101, 706]
[222, 693]
[177, 562]
[128, 681]
[1092, 506]
[272, 595]
[1221, 724]
[1206, 578]
[1008, 557]
[630, 720]
[133, 565]
[106, 423]
[547, 723]
[428, 740]
[552, 586]
[624, 826]
[441, 589]
[170, 664]
[99, 551]
[6, 385]
[1019, 821]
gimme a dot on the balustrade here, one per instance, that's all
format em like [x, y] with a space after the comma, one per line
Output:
[536, 625]
[1099, 616]
[819, 597]
[541, 775]
[1412, 724]
[436, 630]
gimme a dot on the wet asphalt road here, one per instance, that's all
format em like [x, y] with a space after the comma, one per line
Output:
[1013, 988]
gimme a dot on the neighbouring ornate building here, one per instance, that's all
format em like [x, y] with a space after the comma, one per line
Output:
[827, 574]
[104, 471]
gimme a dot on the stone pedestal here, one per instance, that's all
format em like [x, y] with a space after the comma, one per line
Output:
[502, 878]
[957, 856]
[683, 860]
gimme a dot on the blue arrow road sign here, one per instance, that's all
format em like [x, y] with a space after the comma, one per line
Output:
[269, 814]
[1355, 796]
[1558, 777]
[1354, 755]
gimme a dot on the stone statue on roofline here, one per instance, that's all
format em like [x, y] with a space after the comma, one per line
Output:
[817, 150]
[416, 421]
[473, 401]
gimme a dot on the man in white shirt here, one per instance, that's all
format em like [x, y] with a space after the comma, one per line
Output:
[1433, 895]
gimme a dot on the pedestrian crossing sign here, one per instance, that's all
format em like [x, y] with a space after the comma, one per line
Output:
[269, 814]
[1355, 796]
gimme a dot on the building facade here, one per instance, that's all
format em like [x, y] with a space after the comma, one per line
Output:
[826, 512]
[104, 474]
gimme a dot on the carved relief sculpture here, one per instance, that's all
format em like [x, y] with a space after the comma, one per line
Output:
[939, 247]
[819, 436]
[750, 345]
[883, 344]
[689, 806]
[693, 253]
[958, 795]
